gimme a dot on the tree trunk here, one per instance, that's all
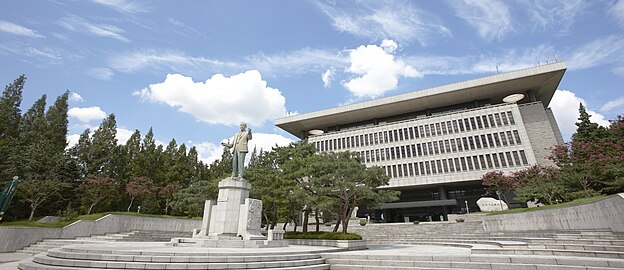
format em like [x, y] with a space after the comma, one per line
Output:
[32, 214]
[131, 201]
[90, 209]
[337, 225]
[274, 221]
[306, 216]
[317, 219]
[346, 217]
[167, 202]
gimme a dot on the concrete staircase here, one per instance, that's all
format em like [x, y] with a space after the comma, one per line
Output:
[134, 236]
[581, 249]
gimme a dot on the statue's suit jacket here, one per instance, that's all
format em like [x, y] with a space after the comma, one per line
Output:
[240, 143]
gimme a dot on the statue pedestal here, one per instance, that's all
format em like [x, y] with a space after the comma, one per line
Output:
[233, 220]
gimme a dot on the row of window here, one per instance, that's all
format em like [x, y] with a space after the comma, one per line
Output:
[421, 131]
[492, 140]
[458, 164]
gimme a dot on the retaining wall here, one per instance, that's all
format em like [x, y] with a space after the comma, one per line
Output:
[13, 238]
[605, 214]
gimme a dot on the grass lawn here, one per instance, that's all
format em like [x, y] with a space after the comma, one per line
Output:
[60, 224]
[560, 205]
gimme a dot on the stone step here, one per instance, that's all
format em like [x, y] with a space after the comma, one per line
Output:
[399, 264]
[46, 260]
[599, 263]
[550, 252]
[28, 264]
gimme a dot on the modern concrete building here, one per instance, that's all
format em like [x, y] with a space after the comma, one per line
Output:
[436, 143]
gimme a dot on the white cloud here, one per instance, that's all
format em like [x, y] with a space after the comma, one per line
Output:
[617, 11]
[565, 106]
[492, 18]
[16, 29]
[295, 62]
[80, 25]
[125, 6]
[101, 73]
[378, 69]
[397, 20]
[600, 51]
[209, 152]
[123, 135]
[220, 100]
[613, 104]
[171, 60]
[72, 140]
[328, 76]
[87, 114]
[75, 97]
[556, 14]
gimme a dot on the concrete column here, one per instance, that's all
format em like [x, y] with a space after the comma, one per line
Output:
[531, 95]
[443, 196]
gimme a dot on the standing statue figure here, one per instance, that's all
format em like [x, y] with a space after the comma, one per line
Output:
[239, 150]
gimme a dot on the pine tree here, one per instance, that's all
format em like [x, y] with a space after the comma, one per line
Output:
[10, 112]
[33, 124]
[56, 118]
[81, 152]
[133, 148]
[103, 147]
[587, 130]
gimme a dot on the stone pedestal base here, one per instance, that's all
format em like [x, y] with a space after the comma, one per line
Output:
[233, 220]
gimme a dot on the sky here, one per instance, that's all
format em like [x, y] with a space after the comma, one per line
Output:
[193, 70]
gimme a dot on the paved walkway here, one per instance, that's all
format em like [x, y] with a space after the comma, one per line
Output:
[8, 261]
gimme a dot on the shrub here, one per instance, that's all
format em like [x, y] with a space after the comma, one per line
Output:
[363, 222]
[322, 235]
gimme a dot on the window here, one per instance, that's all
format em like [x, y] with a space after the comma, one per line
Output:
[472, 123]
[457, 167]
[469, 160]
[405, 169]
[450, 164]
[425, 151]
[488, 158]
[485, 121]
[428, 167]
[366, 139]
[396, 137]
[388, 153]
[497, 118]
[467, 124]
[401, 135]
[408, 152]
[483, 165]
[447, 145]
[392, 153]
[510, 138]
[495, 159]
[509, 160]
[433, 167]
[403, 154]
[445, 166]
[382, 155]
[490, 140]
[435, 148]
[453, 146]
[459, 144]
[416, 132]
[502, 159]
[477, 141]
[455, 128]
[430, 148]
[420, 154]
[398, 152]
[390, 136]
[485, 144]
[367, 156]
[465, 144]
[352, 141]
[524, 158]
[414, 150]
[416, 172]
[461, 125]
[377, 157]
[411, 133]
[340, 143]
[421, 131]
[427, 131]
[400, 169]
[411, 169]
[443, 124]
[385, 136]
[498, 144]
[433, 130]
[439, 163]
[516, 158]
[479, 123]
[475, 159]
[463, 164]
[517, 136]
[503, 138]
[504, 117]
[376, 138]
[394, 171]
[491, 120]
[449, 127]
[471, 143]
[511, 118]
[422, 167]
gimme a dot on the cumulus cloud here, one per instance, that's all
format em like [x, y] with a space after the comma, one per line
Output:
[491, 19]
[16, 29]
[220, 99]
[377, 68]
[328, 76]
[86, 115]
[75, 97]
[100, 73]
[391, 19]
[565, 105]
[209, 152]
[81, 25]
[613, 104]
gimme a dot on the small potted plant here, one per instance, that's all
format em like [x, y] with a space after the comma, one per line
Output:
[459, 220]
[363, 222]
[416, 221]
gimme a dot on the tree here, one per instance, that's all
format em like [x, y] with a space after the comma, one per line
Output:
[56, 119]
[167, 193]
[35, 192]
[10, 112]
[81, 152]
[138, 188]
[541, 183]
[586, 130]
[96, 191]
[102, 149]
[497, 182]
[349, 183]
[190, 200]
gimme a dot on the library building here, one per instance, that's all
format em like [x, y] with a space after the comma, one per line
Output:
[435, 144]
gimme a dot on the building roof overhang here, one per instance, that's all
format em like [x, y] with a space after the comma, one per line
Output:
[542, 80]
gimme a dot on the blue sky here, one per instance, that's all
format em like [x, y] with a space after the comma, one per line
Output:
[193, 70]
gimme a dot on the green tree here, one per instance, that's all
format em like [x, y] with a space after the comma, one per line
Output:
[10, 112]
[586, 130]
[541, 183]
[97, 191]
[81, 152]
[102, 149]
[56, 119]
[139, 188]
[36, 192]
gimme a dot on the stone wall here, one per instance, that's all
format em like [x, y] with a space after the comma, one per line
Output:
[605, 214]
[13, 239]
[540, 130]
